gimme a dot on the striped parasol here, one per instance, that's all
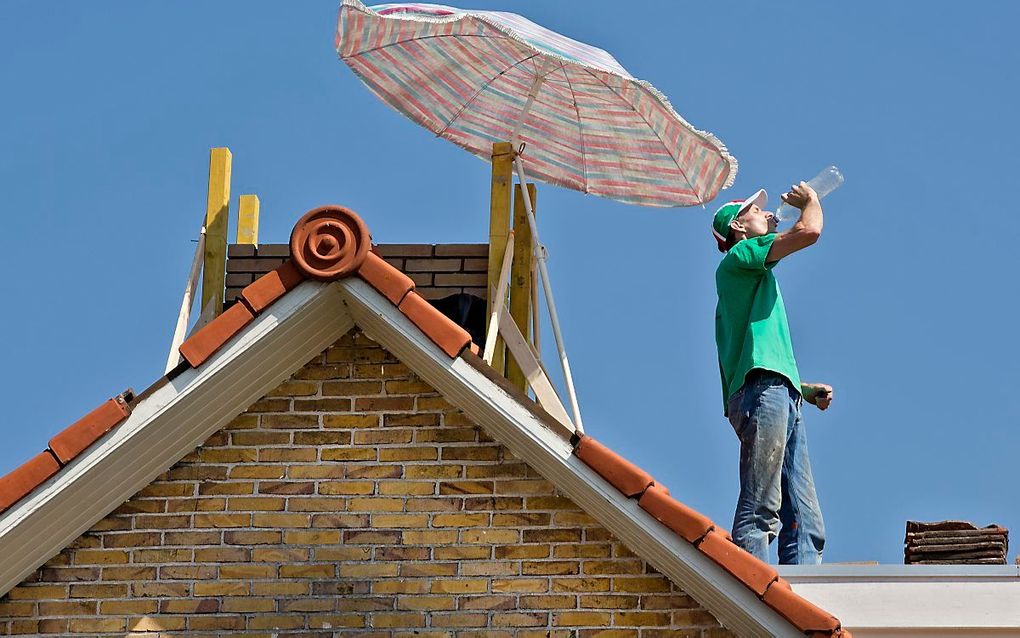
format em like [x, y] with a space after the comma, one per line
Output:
[479, 77]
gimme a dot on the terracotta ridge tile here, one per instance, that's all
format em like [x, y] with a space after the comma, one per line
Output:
[443, 331]
[688, 523]
[261, 293]
[754, 573]
[803, 614]
[329, 243]
[386, 278]
[87, 430]
[19, 482]
[630, 479]
[197, 348]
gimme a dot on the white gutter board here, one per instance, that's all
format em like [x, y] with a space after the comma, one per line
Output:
[915, 600]
[167, 425]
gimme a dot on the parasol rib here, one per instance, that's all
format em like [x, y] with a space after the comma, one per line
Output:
[424, 37]
[580, 129]
[464, 106]
[476, 93]
[676, 160]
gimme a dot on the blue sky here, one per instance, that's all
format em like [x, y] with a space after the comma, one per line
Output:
[907, 305]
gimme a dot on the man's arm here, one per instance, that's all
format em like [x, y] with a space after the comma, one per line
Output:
[808, 228]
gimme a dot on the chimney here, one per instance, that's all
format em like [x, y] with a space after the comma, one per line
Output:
[451, 276]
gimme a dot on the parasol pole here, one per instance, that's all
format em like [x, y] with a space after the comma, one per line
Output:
[540, 251]
[543, 268]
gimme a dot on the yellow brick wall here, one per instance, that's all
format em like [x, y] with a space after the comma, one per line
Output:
[351, 500]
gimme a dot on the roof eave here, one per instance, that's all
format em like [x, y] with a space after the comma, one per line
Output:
[883, 600]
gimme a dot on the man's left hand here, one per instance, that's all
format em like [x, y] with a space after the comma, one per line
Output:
[817, 394]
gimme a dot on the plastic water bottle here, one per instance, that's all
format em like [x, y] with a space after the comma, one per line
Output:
[823, 183]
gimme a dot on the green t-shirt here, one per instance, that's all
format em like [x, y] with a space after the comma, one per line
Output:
[751, 330]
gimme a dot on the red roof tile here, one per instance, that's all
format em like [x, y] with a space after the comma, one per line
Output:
[85, 431]
[686, 522]
[801, 613]
[329, 242]
[271, 286]
[621, 473]
[211, 337]
[18, 483]
[754, 573]
[443, 331]
[390, 282]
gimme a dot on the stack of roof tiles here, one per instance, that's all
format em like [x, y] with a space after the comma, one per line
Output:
[697, 529]
[955, 543]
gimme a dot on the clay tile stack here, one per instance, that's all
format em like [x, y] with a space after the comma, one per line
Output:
[955, 543]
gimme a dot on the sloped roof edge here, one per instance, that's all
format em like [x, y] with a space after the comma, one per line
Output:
[168, 421]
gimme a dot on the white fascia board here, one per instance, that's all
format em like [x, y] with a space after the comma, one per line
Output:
[534, 440]
[901, 600]
[168, 424]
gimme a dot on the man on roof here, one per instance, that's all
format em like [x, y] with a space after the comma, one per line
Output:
[762, 390]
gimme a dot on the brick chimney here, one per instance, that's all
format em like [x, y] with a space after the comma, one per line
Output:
[442, 273]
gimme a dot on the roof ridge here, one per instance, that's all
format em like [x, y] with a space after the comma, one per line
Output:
[695, 528]
[327, 243]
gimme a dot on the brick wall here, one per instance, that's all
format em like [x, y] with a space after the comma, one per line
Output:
[351, 500]
[437, 270]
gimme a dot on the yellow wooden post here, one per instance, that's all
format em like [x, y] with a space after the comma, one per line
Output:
[520, 277]
[216, 214]
[499, 227]
[248, 220]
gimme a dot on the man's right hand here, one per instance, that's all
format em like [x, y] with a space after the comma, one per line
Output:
[800, 195]
[808, 228]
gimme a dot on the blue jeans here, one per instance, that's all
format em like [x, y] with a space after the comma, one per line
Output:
[775, 473]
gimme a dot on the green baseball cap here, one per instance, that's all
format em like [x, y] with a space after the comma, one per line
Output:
[729, 211]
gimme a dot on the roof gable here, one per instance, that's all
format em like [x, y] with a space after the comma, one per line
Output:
[297, 310]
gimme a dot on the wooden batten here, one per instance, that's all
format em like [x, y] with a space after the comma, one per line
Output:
[248, 220]
[497, 296]
[499, 228]
[520, 278]
[216, 215]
